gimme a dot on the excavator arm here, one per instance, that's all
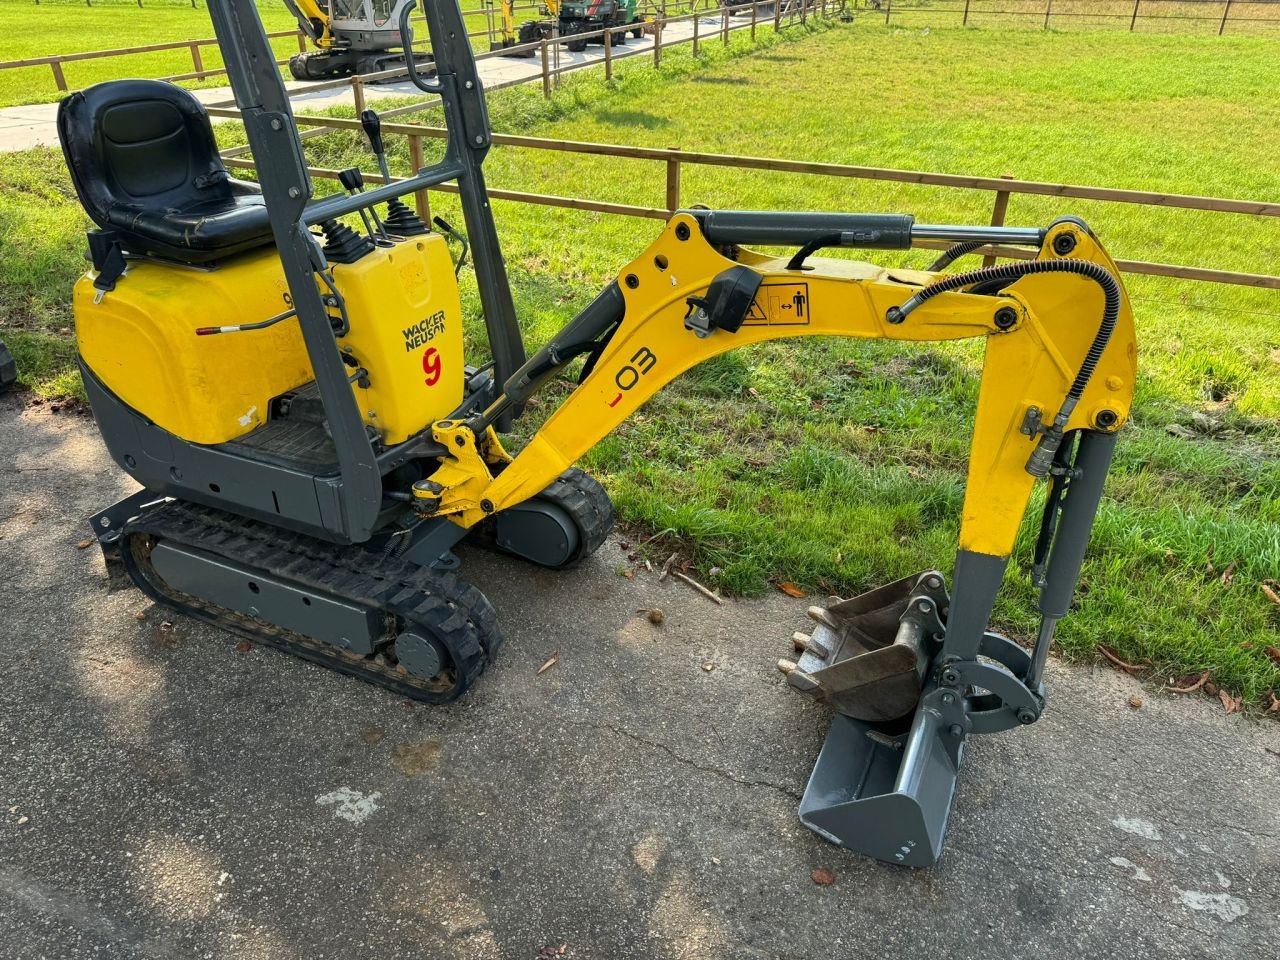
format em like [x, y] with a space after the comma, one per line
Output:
[1039, 329]
[313, 20]
[911, 668]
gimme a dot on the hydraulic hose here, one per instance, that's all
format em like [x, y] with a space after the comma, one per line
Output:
[953, 253]
[1042, 459]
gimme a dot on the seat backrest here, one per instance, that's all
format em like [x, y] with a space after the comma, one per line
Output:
[145, 164]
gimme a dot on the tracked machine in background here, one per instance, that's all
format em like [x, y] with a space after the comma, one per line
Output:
[568, 19]
[350, 36]
[293, 396]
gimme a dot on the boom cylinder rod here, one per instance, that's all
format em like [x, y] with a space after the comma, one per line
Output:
[883, 231]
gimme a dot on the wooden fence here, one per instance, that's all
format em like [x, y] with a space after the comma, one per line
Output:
[669, 164]
[1214, 15]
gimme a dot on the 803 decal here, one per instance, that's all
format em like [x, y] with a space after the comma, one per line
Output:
[641, 363]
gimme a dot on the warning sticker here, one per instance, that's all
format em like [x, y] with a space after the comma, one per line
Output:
[780, 304]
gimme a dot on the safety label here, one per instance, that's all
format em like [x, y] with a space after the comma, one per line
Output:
[780, 304]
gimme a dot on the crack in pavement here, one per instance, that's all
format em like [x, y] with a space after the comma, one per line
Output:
[715, 771]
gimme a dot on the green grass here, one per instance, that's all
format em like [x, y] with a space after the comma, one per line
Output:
[839, 464]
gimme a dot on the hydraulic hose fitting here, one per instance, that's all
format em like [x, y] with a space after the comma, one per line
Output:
[1041, 460]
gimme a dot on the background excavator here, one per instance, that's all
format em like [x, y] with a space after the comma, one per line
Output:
[292, 395]
[350, 36]
[565, 18]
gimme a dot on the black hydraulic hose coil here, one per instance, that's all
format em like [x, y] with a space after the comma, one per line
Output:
[954, 253]
[1008, 272]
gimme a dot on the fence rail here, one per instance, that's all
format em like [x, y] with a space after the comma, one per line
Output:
[667, 178]
[1218, 14]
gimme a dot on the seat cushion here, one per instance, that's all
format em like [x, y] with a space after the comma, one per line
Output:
[144, 163]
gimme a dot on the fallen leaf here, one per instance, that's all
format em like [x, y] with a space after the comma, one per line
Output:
[708, 666]
[1275, 704]
[753, 391]
[790, 589]
[166, 625]
[244, 646]
[1192, 688]
[1229, 703]
[551, 662]
[823, 877]
[139, 616]
[1270, 593]
[83, 544]
[628, 574]
[715, 572]
[656, 617]
[548, 952]
[1211, 688]
[372, 736]
[1229, 574]
[1245, 644]
[1135, 702]
[1274, 653]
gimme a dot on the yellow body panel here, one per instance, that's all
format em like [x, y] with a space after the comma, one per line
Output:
[140, 341]
[406, 333]
[406, 330]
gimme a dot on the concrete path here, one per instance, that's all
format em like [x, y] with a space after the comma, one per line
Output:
[35, 125]
[163, 795]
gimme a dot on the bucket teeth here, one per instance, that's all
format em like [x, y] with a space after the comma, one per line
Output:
[868, 655]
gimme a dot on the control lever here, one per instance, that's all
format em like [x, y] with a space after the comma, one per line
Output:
[401, 220]
[372, 125]
[352, 181]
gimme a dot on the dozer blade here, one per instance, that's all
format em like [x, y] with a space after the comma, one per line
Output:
[868, 654]
[887, 798]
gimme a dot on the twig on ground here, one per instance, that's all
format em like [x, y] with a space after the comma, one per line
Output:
[666, 568]
[699, 587]
[1123, 665]
[1200, 682]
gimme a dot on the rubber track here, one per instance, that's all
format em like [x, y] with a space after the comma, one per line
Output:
[445, 608]
[581, 496]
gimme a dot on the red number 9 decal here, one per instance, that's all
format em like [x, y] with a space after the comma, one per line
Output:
[431, 366]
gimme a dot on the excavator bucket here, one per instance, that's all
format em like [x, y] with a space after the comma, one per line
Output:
[885, 779]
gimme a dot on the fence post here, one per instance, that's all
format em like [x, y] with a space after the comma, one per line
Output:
[546, 74]
[888, 9]
[777, 15]
[1048, 9]
[1134, 20]
[1226, 12]
[755, 15]
[998, 211]
[608, 54]
[302, 42]
[196, 63]
[965, 21]
[657, 41]
[420, 198]
[357, 91]
[673, 183]
[726, 26]
[58, 77]
[696, 18]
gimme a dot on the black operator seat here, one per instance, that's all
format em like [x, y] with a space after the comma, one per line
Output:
[145, 166]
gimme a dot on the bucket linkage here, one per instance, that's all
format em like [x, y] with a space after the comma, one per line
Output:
[910, 671]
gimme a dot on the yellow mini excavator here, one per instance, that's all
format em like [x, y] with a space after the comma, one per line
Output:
[350, 36]
[292, 395]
